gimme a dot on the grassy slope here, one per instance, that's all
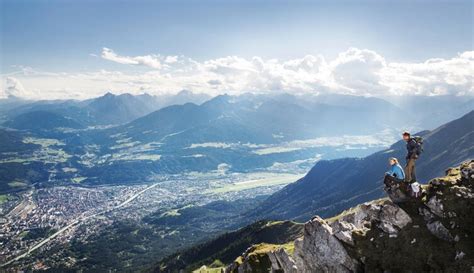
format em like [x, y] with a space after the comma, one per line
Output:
[230, 245]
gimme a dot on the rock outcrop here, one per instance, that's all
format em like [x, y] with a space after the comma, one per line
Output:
[435, 233]
[320, 251]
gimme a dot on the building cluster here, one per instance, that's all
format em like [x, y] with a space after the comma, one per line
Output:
[42, 212]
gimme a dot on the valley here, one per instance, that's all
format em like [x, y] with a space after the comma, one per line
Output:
[99, 197]
[58, 216]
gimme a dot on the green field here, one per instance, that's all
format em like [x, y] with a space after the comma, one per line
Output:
[211, 269]
[4, 198]
[44, 142]
[260, 182]
[17, 184]
[78, 179]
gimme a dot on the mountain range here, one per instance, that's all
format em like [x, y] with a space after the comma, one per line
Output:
[108, 109]
[121, 139]
[334, 185]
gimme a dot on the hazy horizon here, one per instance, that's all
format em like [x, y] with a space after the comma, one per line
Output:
[79, 50]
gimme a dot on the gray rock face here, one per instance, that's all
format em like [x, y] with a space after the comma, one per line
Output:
[392, 218]
[320, 251]
[435, 226]
[323, 245]
[439, 230]
[396, 194]
[388, 217]
[435, 206]
[467, 172]
[343, 231]
[428, 216]
[281, 260]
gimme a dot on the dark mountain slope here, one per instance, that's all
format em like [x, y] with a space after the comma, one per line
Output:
[258, 119]
[11, 141]
[224, 248]
[16, 176]
[70, 108]
[429, 112]
[332, 186]
[109, 109]
[118, 109]
[42, 120]
[182, 97]
[104, 110]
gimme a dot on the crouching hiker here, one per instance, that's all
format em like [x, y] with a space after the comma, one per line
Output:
[395, 185]
[396, 175]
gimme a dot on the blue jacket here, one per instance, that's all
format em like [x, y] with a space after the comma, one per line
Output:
[397, 171]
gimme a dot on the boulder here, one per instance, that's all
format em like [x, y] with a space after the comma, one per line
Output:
[435, 206]
[282, 261]
[439, 230]
[384, 214]
[392, 217]
[396, 194]
[320, 251]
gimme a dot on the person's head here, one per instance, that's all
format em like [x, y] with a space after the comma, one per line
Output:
[393, 161]
[406, 136]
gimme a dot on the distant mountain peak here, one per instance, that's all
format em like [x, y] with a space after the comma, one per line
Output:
[108, 94]
[13, 98]
[185, 92]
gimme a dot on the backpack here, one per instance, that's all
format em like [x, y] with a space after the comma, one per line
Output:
[419, 144]
[415, 189]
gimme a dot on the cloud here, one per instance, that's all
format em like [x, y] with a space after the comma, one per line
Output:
[433, 77]
[354, 71]
[152, 61]
[14, 88]
[171, 59]
[358, 71]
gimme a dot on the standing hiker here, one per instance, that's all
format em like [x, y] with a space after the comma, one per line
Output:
[414, 149]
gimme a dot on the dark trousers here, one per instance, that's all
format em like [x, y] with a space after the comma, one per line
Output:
[410, 173]
[391, 180]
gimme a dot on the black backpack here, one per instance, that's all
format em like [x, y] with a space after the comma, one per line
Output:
[419, 144]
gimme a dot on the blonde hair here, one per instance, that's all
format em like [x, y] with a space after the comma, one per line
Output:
[394, 159]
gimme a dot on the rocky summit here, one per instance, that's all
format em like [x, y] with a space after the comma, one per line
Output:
[434, 233]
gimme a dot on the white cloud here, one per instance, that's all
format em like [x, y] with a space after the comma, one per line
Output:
[432, 77]
[358, 71]
[171, 59]
[152, 61]
[13, 87]
[355, 71]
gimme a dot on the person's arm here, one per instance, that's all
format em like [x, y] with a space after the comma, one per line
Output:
[408, 150]
[390, 172]
[399, 172]
[402, 173]
[412, 149]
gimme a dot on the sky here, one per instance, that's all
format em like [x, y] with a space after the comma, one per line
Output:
[60, 49]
